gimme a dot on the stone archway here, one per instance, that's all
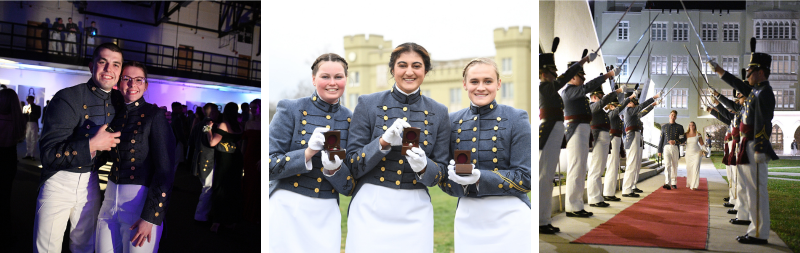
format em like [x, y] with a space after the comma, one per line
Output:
[776, 138]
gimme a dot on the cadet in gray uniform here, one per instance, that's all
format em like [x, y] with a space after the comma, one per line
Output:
[391, 199]
[633, 139]
[578, 116]
[305, 186]
[599, 148]
[736, 188]
[612, 167]
[756, 151]
[494, 212]
[551, 130]
[672, 136]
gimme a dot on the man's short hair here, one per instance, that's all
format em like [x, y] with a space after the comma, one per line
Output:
[108, 45]
[675, 112]
[209, 105]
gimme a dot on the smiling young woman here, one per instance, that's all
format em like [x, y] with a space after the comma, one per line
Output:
[391, 199]
[499, 138]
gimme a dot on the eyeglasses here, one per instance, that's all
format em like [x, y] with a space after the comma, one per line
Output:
[136, 80]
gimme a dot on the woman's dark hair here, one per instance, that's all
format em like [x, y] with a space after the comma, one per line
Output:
[230, 114]
[328, 57]
[198, 112]
[410, 47]
[9, 104]
[138, 65]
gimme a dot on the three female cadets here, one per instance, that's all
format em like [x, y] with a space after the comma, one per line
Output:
[493, 210]
[304, 209]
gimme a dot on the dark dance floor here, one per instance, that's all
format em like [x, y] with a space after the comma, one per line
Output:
[181, 232]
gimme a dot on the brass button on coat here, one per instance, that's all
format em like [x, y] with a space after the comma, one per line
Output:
[74, 152]
[133, 167]
[131, 177]
[133, 159]
[163, 194]
[381, 179]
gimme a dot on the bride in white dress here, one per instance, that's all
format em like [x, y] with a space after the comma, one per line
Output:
[694, 152]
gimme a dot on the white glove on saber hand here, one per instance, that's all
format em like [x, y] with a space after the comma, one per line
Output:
[416, 159]
[329, 165]
[394, 132]
[617, 71]
[592, 56]
[317, 138]
[463, 180]
[713, 65]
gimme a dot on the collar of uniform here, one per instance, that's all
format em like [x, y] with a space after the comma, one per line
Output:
[136, 104]
[482, 110]
[764, 83]
[403, 98]
[96, 90]
[322, 105]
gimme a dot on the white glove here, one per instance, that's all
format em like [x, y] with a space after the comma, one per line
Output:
[317, 138]
[417, 159]
[760, 157]
[592, 56]
[393, 133]
[617, 71]
[329, 165]
[713, 64]
[463, 180]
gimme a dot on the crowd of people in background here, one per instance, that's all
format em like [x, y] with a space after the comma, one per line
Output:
[63, 37]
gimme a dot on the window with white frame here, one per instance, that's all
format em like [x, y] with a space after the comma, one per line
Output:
[354, 79]
[507, 91]
[730, 32]
[710, 31]
[622, 31]
[658, 31]
[455, 99]
[679, 98]
[352, 100]
[775, 29]
[506, 66]
[658, 65]
[728, 93]
[784, 64]
[730, 64]
[680, 31]
[381, 76]
[623, 67]
[784, 99]
[680, 62]
[708, 70]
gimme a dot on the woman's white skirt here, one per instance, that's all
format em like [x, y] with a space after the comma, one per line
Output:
[492, 224]
[298, 223]
[390, 220]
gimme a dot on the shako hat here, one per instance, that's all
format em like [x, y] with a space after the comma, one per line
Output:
[758, 60]
[547, 60]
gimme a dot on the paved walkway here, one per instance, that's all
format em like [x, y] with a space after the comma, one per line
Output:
[722, 234]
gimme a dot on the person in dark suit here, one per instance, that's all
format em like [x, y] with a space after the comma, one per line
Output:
[143, 170]
[201, 160]
[32, 112]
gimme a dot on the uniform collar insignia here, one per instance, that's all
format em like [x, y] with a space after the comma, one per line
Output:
[135, 104]
[322, 105]
[96, 90]
[405, 99]
[483, 109]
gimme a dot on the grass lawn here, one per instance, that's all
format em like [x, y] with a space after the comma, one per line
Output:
[444, 213]
[783, 176]
[795, 170]
[784, 163]
[784, 203]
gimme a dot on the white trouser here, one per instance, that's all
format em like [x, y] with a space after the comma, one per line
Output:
[740, 199]
[90, 41]
[31, 137]
[299, 224]
[548, 160]
[388, 220]
[577, 153]
[633, 158]
[70, 48]
[55, 42]
[204, 204]
[122, 207]
[594, 184]
[755, 179]
[612, 169]
[67, 196]
[729, 171]
[671, 156]
[490, 223]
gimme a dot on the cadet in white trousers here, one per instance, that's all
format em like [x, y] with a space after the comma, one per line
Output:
[633, 127]
[672, 136]
[612, 167]
[601, 126]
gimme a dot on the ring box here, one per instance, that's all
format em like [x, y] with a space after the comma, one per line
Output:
[462, 157]
[410, 139]
[332, 144]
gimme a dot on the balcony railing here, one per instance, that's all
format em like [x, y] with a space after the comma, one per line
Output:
[34, 43]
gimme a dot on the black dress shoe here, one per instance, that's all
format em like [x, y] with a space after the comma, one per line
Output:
[746, 239]
[554, 228]
[726, 199]
[600, 204]
[581, 214]
[636, 190]
[666, 186]
[736, 221]
[546, 230]
[611, 198]
[631, 195]
[732, 211]
[728, 204]
[674, 186]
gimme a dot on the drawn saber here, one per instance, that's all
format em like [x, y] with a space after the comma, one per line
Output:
[637, 62]
[668, 91]
[699, 57]
[637, 43]
[613, 29]
[700, 91]
[694, 29]
[670, 75]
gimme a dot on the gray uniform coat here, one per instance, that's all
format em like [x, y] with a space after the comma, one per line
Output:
[577, 103]
[600, 118]
[759, 108]
[633, 117]
[549, 99]
[671, 132]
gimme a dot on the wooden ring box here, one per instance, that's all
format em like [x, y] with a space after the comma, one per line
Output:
[462, 158]
[410, 139]
[332, 145]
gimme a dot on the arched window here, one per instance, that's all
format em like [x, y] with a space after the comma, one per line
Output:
[776, 138]
[715, 134]
[758, 30]
[794, 30]
[769, 30]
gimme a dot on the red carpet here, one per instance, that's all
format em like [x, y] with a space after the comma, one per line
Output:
[676, 218]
